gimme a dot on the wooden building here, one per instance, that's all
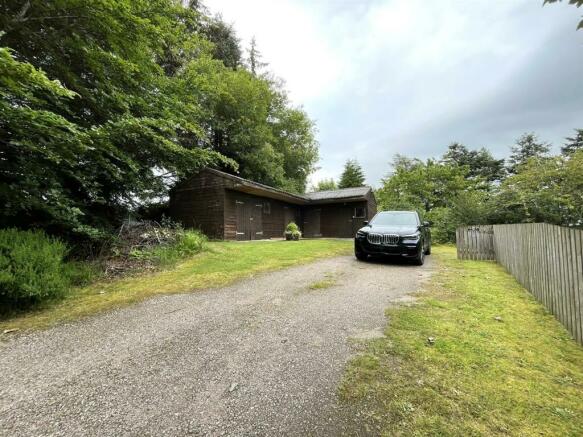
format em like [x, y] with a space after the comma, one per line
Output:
[228, 207]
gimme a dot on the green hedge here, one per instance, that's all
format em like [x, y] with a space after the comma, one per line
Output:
[31, 269]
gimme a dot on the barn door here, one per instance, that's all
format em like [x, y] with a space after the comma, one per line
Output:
[256, 221]
[242, 220]
[312, 223]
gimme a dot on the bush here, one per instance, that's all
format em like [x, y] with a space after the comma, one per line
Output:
[80, 273]
[31, 269]
[187, 243]
[292, 230]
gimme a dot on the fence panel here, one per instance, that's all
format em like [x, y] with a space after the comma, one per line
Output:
[546, 259]
[475, 242]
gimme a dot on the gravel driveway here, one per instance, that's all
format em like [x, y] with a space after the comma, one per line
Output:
[261, 357]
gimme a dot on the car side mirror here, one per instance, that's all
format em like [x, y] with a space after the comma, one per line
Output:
[365, 222]
[426, 224]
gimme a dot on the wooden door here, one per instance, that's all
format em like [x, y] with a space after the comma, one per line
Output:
[256, 221]
[312, 223]
[242, 220]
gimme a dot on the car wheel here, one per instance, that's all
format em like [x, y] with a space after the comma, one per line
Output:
[360, 256]
[420, 258]
[428, 250]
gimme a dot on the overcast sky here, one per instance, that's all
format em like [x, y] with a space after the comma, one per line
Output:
[382, 77]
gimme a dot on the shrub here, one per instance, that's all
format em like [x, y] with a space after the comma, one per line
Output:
[187, 243]
[292, 231]
[80, 273]
[31, 268]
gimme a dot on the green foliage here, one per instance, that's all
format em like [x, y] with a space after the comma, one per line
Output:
[526, 147]
[573, 144]
[326, 185]
[544, 190]
[82, 273]
[465, 188]
[577, 3]
[293, 230]
[31, 269]
[480, 163]
[421, 186]
[104, 105]
[187, 244]
[352, 176]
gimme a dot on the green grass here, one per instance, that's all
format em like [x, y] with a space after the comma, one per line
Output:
[519, 375]
[323, 284]
[224, 263]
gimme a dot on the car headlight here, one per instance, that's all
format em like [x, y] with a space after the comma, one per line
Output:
[360, 234]
[414, 236]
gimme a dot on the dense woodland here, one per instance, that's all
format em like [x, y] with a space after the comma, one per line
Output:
[105, 105]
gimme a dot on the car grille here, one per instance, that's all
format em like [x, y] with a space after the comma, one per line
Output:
[387, 239]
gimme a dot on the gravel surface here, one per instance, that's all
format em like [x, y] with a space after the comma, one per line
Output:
[261, 357]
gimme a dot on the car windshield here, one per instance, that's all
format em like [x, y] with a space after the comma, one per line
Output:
[395, 219]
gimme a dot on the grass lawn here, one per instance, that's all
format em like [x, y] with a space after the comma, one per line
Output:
[520, 374]
[224, 263]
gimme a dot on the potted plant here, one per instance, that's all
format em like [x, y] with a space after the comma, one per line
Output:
[292, 232]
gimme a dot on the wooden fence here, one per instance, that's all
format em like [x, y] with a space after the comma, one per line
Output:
[546, 259]
[475, 242]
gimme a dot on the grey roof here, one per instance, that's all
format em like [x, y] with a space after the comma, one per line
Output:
[344, 193]
[352, 194]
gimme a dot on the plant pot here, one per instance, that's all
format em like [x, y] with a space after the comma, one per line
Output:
[289, 236]
[296, 237]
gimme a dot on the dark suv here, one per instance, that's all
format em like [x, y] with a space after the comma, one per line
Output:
[394, 233]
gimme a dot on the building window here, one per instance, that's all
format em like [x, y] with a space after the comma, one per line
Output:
[266, 208]
[359, 212]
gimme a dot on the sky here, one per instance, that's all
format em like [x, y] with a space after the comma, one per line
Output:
[381, 77]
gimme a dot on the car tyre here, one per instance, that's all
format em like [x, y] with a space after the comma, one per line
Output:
[361, 256]
[428, 250]
[420, 258]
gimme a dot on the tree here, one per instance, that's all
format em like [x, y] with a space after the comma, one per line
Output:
[254, 61]
[543, 190]
[526, 147]
[225, 42]
[481, 163]
[422, 186]
[352, 176]
[577, 3]
[326, 185]
[430, 187]
[573, 144]
[105, 105]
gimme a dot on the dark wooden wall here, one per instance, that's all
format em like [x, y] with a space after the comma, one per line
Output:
[199, 203]
[274, 218]
[371, 205]
[335, 219]
[211, 203]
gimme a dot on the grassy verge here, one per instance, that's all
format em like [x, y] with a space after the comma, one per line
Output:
[497, 363]
[224, 263]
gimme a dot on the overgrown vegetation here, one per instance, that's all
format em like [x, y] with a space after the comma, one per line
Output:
[32, 269]
[94, 123]
[476, 355]
[221, 264]
[471, 187]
